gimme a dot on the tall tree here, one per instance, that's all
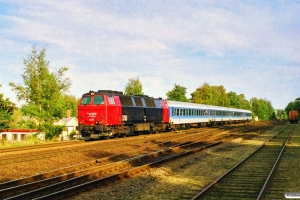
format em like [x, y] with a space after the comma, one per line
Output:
[6, 112]
[71, 103]
[238, 101]
[134, 87]
[293, 105]
[262, 108]
[42, 91]
[212, 95]
[178, 93]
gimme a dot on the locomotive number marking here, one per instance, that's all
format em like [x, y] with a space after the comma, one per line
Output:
[92, 114]
[124, 117]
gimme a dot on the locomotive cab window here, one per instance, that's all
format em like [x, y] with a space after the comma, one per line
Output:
[86, 100]
[111, 100]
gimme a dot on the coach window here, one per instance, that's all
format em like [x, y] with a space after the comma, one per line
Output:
[178, 112]
[98, 100]
[213, 113]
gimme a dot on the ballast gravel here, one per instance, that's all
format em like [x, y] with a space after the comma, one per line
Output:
[182, 178]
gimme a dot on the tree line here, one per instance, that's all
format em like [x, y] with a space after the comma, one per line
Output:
[46, 97]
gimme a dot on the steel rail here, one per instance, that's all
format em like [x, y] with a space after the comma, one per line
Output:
[184, 145]
[103, 160]
[169, 153]
[274, 166]
[233, 168]
[29, 183]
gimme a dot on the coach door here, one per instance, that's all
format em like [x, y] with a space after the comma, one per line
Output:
[213, 115]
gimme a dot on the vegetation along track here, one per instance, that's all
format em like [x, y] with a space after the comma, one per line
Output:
[39, 146]
[94, 171]
[249, 178]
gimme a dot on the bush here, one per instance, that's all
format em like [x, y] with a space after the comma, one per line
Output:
[51, 131]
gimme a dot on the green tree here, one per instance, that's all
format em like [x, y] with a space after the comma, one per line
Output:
[6, 112]
[71, 103]
[238, 101]
[293, 105]
[42, 91]
[134, 87]
[263, 109]
[178, 93]
[211, 95]
[290, 106]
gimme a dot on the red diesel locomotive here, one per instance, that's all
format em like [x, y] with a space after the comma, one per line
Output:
[107, 113]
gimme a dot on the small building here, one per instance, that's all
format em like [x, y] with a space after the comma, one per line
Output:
[69, 124]
[16, 135]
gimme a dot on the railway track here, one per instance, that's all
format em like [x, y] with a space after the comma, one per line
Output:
[91, 172]
[81, 149]
[250, 177]
[96, 173]
[93, 148]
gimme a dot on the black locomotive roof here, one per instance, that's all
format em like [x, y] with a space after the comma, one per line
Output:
[110, 92]
[119, 93]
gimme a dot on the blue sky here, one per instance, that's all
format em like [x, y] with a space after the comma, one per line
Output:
[249, 47]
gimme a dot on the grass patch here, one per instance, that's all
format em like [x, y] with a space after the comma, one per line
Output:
[30, 140]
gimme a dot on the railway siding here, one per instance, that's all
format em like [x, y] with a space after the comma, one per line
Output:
[248, 179]
[287, 177]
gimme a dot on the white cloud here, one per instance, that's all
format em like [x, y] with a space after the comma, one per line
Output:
[236, 44]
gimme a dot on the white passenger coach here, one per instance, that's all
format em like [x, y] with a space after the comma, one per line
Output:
[201, 115]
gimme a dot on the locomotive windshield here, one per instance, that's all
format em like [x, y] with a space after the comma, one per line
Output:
[98, 100]
[86, 100]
